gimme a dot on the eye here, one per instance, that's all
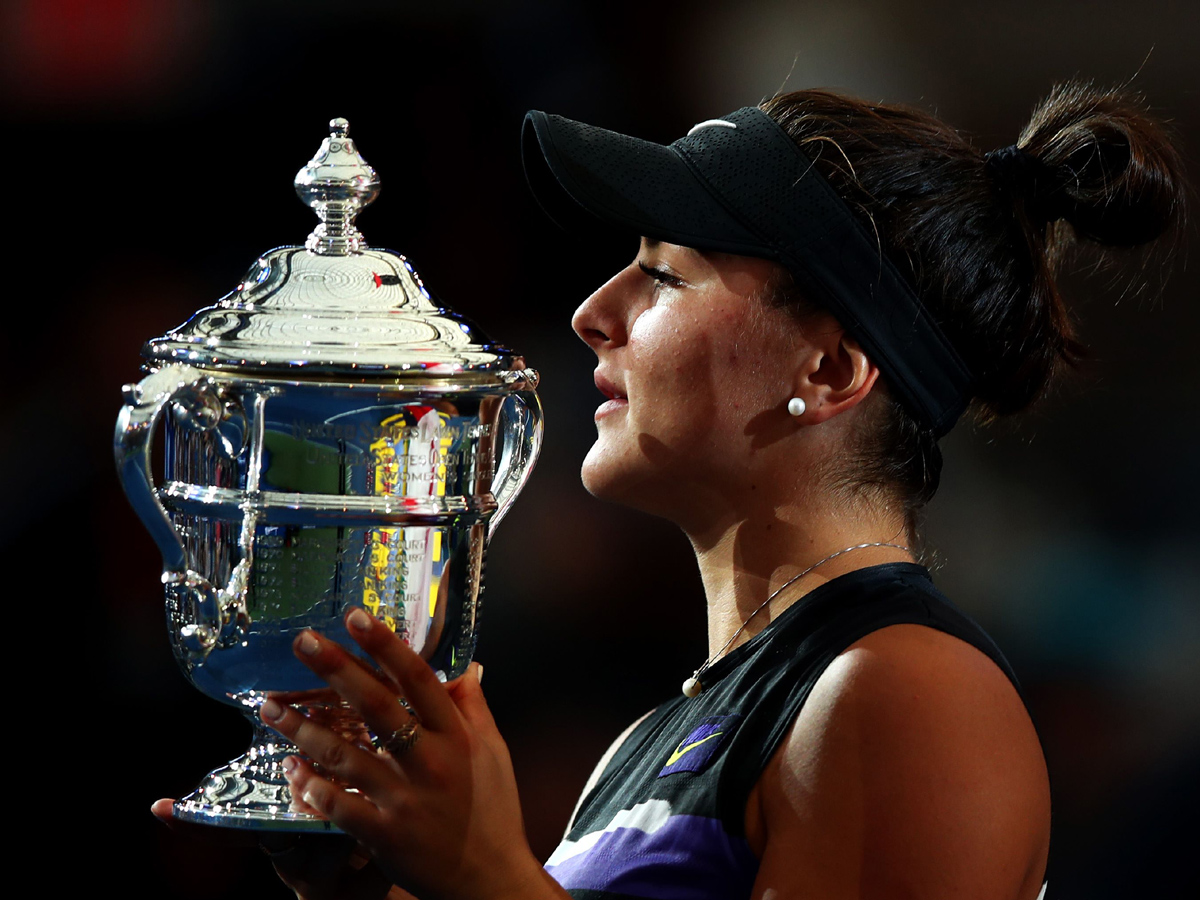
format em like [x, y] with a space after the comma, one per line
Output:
[662, 276]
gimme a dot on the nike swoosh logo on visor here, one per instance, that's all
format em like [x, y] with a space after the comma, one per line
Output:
[708, 122]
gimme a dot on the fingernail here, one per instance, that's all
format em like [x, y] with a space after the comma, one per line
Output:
[308, 643]
[289, 765]
[358, 619]
[479, 673]
[310, 798]
[271, 710]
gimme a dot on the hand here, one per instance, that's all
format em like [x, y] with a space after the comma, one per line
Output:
[329, 867]
[441, 818]
[164, 811]
[315, 866]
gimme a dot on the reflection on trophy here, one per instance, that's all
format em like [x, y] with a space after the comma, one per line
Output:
[332, 438]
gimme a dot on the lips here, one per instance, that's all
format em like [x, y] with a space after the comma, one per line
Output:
[608, 389]
[617, 398]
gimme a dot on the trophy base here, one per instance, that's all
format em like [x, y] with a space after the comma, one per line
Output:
[251, 793]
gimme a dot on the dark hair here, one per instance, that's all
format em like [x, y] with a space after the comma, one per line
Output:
[980, 236]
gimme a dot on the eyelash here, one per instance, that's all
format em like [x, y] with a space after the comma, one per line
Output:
[661, 276]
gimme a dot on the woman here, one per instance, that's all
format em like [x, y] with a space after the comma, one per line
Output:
[776, 387]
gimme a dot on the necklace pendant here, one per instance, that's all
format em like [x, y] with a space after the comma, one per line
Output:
[692, 686]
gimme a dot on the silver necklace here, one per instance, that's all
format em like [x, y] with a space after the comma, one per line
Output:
[692, 686]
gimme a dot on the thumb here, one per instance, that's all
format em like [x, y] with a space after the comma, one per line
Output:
[164, 811]
[468, 697]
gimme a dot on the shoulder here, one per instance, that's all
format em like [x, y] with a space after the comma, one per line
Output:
[913, 768]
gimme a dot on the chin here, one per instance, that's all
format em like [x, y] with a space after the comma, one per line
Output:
[598, 475]
[618, 478]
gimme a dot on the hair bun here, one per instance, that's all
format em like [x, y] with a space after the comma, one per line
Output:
[1025, 178]
[1111, 171]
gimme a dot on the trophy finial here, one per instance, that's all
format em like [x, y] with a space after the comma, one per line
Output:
[337, 184]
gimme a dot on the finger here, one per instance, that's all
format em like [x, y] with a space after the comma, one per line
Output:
[330, 866]
[422, 688]
[296, 779]
[474, 669]
[164, 811]
[467, 694]
[278, 843]
[349, 676]
[367, 883]
[363, 769]
[353, 813]
[297, 805]
[305, 862]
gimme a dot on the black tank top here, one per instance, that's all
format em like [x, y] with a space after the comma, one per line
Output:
[666, 818]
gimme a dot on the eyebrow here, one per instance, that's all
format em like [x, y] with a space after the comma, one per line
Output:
[651, 244]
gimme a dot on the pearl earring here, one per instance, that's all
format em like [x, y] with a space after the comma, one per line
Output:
[796, 406]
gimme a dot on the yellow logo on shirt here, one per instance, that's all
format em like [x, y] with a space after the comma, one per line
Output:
[701, 746]
[681, 749]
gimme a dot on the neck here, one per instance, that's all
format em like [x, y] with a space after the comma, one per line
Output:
[744, 562]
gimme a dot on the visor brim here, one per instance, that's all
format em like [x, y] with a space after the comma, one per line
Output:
[581, 175]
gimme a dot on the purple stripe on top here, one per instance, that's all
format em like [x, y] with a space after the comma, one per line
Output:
[687, 858]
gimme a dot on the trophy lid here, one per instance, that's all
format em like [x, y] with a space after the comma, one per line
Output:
[334, 306]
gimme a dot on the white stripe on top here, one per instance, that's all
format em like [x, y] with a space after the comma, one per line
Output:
[648, 817]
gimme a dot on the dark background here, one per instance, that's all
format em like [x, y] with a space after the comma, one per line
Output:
[149, 151]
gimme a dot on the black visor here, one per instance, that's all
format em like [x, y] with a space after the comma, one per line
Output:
[741, 185]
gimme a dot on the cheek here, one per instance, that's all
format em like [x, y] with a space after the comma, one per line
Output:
[699, 383]
[722, 358]
[674, 338]
[671, 358]
[652, 332]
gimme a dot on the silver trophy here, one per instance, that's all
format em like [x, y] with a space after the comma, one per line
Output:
[332, 438]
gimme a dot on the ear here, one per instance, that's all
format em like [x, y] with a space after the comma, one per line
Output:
[835, 377]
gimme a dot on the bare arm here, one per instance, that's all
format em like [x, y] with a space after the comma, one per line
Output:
[912, 771]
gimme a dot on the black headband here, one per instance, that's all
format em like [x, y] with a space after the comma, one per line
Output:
[741, 185]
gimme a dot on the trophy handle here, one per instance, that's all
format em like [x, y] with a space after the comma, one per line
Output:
[520, 445]
[197, 403]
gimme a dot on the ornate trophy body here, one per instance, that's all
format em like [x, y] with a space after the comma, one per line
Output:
[332, 438]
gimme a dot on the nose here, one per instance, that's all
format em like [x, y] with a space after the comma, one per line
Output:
[599, 321]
